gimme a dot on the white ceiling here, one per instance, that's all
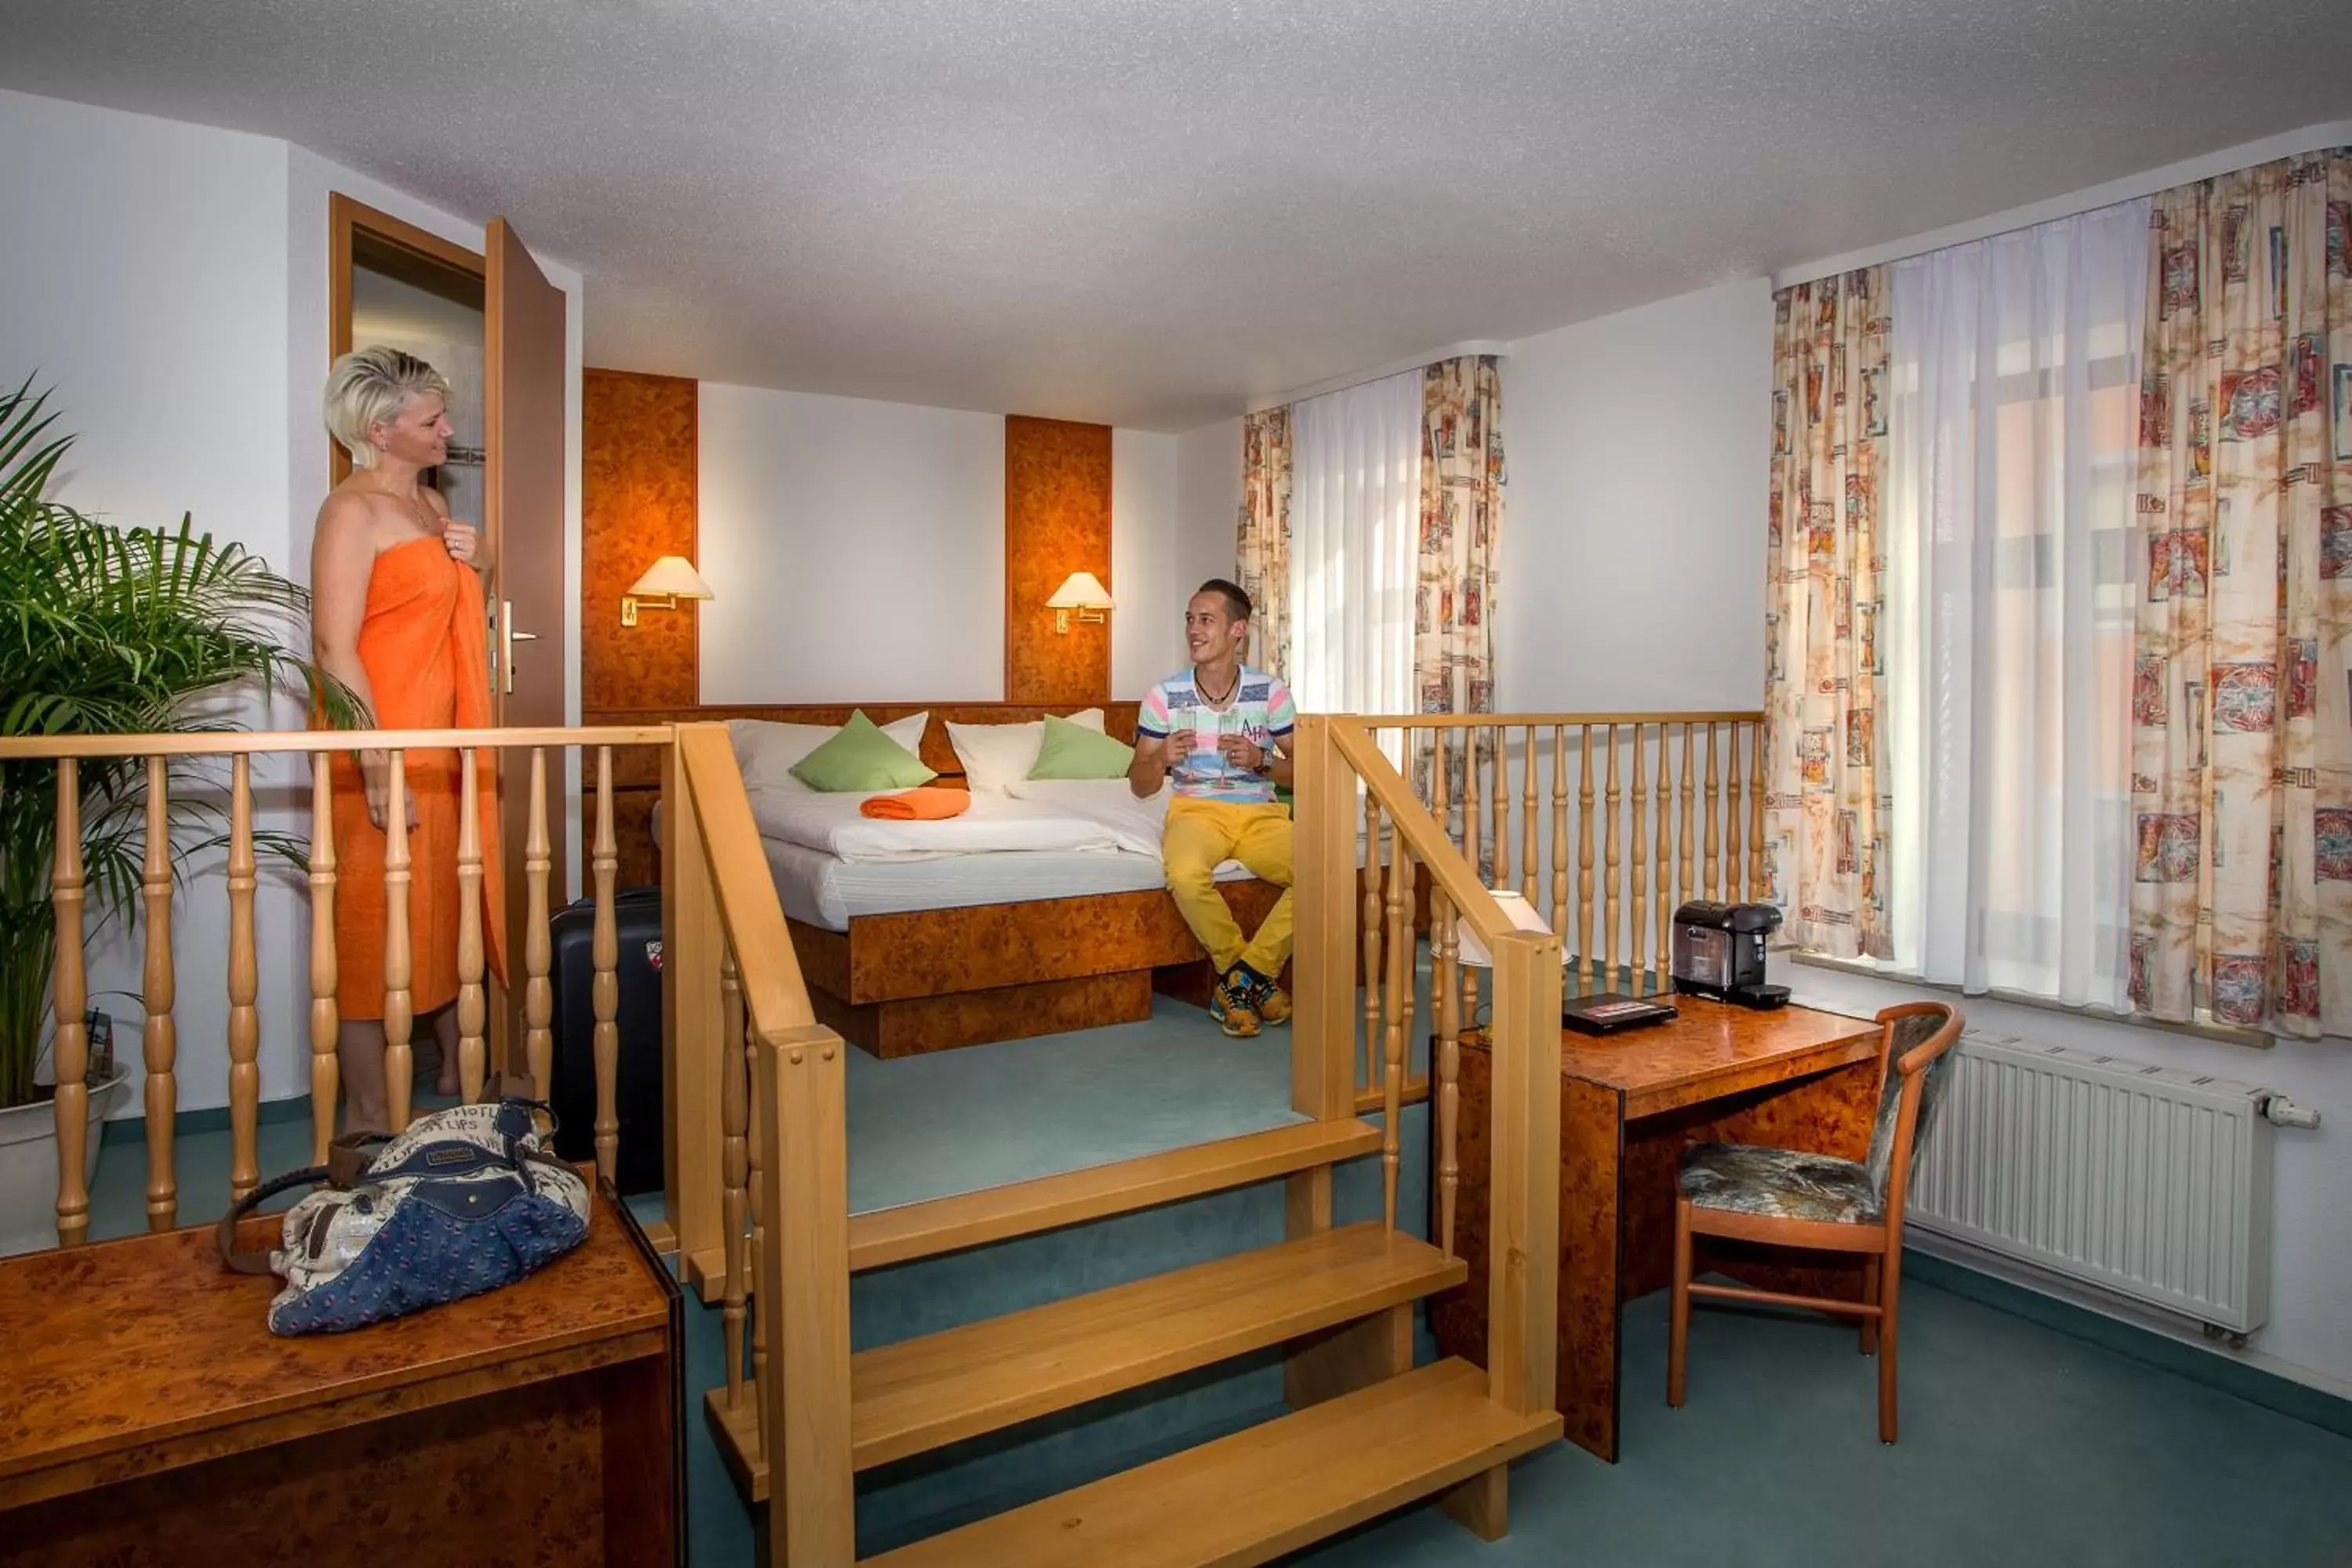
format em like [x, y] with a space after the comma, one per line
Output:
[1146, 212]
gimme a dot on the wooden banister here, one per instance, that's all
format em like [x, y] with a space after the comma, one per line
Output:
[159, 1039]
[326, 1020]
[774, 995]
[399, 1013]
[604, 988]
[69, 993]
[244, 985]
[265, 743]
[472, 1062]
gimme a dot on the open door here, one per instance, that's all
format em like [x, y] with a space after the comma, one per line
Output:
[523, 333]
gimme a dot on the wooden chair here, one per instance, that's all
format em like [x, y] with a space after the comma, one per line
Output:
[1788, 1197]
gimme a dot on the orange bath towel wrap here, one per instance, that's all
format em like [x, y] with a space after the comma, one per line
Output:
[928, 804]
[425, 645]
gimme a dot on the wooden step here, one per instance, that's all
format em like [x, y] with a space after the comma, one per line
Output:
[922, 1394]
[938, 1225]
[1253, 1496]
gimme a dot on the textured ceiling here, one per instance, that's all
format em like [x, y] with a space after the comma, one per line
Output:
[1147, 211]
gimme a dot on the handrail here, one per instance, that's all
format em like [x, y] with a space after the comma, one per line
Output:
[773, 991]
[224, 743]
[1485, 720]
[1429, 843]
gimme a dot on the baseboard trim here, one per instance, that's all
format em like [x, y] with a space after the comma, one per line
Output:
[210, 1119]
[2253, 1385]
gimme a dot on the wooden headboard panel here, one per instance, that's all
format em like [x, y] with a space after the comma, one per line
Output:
[637, 770]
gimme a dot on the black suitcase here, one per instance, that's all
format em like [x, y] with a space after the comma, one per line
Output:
[637, 915]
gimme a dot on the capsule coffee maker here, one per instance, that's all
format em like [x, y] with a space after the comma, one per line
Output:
[1718, 950]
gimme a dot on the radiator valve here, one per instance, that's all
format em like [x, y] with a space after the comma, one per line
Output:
[2280, 1112]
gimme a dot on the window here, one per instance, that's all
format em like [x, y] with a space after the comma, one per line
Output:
[2008, 615]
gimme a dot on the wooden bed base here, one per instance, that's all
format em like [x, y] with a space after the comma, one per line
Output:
[931, 980]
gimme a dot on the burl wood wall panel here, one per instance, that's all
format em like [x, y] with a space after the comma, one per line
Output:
[637, 502]
[1057, 521]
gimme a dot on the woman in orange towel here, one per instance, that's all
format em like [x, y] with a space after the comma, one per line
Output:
[398, 613]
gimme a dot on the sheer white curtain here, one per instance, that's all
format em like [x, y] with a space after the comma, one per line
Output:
[2008, 628]
[1355, 508]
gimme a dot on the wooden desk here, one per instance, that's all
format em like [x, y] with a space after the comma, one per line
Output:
[1629, 1104]
[148, 1416]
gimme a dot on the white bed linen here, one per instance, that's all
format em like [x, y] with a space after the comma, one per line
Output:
[822, 889]
[995, 825]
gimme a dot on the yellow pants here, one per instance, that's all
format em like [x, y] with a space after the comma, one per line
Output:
[1201, 833]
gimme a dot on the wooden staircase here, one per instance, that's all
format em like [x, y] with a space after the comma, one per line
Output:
[1367, 1431]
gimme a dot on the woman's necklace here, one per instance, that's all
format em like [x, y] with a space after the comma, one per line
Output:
[429, 521]
[1217, 701]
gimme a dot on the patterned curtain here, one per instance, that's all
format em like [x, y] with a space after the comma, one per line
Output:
[1825, 821]
[1461, 518]
[2242, 740]
[1262, 542]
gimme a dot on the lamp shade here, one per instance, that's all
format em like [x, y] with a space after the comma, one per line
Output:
[674, 575]
[1081, 591]
[1516, 910]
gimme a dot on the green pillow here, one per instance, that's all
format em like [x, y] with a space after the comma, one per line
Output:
[1074, 752]
[861, 757]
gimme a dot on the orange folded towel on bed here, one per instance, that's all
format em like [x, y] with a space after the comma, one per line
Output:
[926, 805]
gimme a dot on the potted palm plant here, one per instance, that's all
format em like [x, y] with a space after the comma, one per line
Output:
[104, 629]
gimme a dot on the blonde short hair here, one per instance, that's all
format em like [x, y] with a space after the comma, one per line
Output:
[370, 386]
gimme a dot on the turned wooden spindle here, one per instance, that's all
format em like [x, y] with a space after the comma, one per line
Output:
[1529, 879]
[399, 1012]
[1757, 888]
[539, 992]
[1612, 883]
[1638, 932]
[70, 995]
[1468, 976]
[1689, 881]
[1369, 918]
[1559, 832]
[1584, 852]
[1734, 862]
[244, 985]
[1501, 824]
[756, 1249]
[326, 1014]
[1444, 999]
[473, 1063]
[604, 991]
[1713, 850]
[1444, 984]
[1400, 1014]
[158, 991]
[1666, 798]
[734, 1119]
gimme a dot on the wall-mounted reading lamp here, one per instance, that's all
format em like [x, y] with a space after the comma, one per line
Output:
[665, 583]
[1084, 592]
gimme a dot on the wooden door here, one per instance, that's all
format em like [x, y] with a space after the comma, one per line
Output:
[523, 337]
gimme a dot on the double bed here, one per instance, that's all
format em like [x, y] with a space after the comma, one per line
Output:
[1042, 909]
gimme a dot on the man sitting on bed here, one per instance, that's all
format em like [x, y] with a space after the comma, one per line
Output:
[1216, 733]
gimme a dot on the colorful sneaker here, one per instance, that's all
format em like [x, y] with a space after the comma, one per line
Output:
[1233, 1003]
[1269, 1001]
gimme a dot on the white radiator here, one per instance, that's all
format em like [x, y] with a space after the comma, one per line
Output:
[2149, 1182]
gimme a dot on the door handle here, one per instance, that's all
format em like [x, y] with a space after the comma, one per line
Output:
[508, 637]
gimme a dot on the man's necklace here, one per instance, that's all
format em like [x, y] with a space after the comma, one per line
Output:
[1217, 701]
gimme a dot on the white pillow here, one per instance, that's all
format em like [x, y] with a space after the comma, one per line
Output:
[997, 756]
[767, 751]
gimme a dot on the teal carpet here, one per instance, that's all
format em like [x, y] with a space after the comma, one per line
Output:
[2022, 1445]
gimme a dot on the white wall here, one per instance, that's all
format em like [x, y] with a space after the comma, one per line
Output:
[857, 550]
[179, 309]
[1631, 561]
[1208, 502]
[1147, 630]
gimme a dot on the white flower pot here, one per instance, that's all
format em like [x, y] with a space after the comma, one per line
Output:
[28, 1163]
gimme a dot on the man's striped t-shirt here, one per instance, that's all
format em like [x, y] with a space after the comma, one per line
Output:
[1261, 710]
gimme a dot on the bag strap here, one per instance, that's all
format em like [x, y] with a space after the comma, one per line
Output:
[225, 1234]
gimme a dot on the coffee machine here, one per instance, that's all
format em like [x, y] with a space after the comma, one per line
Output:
[1718, 950]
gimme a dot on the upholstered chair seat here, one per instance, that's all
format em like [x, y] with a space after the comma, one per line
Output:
[1786, 1183]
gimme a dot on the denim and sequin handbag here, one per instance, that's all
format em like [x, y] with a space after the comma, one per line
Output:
[466, 1200]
